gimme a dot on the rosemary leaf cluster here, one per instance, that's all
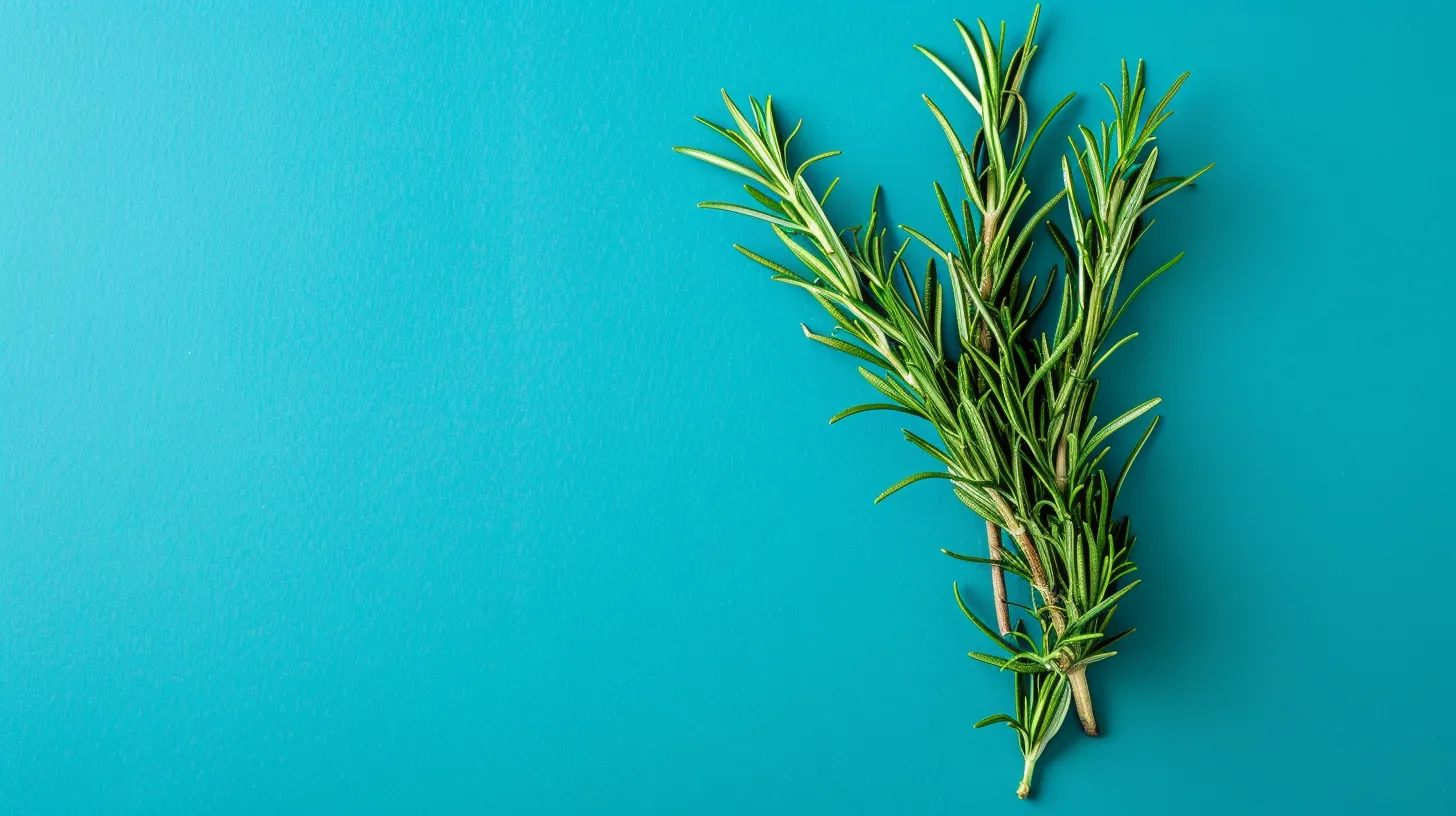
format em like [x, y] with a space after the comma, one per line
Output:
[1011, 396]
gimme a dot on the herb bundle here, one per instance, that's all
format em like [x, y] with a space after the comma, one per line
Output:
[1011, 405]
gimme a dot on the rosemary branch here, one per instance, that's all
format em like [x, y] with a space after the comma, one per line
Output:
[1011, 408]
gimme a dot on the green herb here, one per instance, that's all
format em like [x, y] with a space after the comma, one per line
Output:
[1010, 405]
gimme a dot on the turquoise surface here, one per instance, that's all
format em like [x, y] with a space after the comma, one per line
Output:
[383, 430]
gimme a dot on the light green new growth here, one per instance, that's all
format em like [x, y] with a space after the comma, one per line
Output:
[1011, 406]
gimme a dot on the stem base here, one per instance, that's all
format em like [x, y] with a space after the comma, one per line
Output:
[1082, 695]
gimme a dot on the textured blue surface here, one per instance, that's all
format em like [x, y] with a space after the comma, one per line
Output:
[382, 429]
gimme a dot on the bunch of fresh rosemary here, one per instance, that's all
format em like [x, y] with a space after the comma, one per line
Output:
[1012, 405]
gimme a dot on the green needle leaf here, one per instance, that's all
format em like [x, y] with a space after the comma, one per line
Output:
[1118, 423]
[751, 213]
[929, 474]
[869, 406]
[719, 161]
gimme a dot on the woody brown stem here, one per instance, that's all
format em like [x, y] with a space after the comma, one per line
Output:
[1033, 559]
[988, 234]
[1082, 696]
[1017, 530]
[1081, 693]
[998, 578]
[993, 531]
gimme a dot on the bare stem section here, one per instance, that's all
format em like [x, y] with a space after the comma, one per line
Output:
[998, 578]
[1082, 696]
[1023, 791]
[1033, 559]
[993, 531]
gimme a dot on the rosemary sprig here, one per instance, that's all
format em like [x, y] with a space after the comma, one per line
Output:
[1118, 175]
[1011, 408]
[984, 258]
[1068, 495]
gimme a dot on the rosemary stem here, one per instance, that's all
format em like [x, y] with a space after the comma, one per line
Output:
[1023, 791]
[993, 531]
[1033, 559]
[989, 223]
[988, 235]
[1082, 696]
[998, 578]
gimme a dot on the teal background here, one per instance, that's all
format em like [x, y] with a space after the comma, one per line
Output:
[382, 429]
